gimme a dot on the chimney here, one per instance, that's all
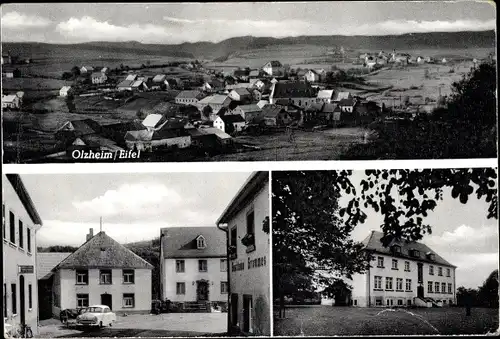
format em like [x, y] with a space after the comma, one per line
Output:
[91, 234]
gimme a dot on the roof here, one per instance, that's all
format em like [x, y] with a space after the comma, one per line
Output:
[325, 94]
[46, 261]
[131, 77]
[189, 95]
[9, 98]
[101, 251]
[159, 78]
[152, 120]
[214, 99]
[346, 102]
[97, 74]
[271, 111]
[250, 188]
[212, 130]
[254, 73]
[65, 88]
[137, 83]
[126, 83]
[164, 133]
[275, 63]
[329, 108]
[262, 103]
[180, 242]
[250, 108]
[83, 127]
[315, 106]
[89, 68]
[373, 243]
[232, 118]
[18, 185]
[293, 90]
[342, 95]
[241, 91]
[141, 135]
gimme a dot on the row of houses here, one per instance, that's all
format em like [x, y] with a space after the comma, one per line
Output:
[382, 58]
[198, 265]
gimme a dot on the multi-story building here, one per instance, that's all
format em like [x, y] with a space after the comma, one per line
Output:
[102, 271]
[193, 265]
[403, 274]
[299, 94]
[20, 223]
[246, 223]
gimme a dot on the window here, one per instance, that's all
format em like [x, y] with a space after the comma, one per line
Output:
[408, 284]
[355, 302]
[449, 289]
[396, 248]
[431, 270]
[415, 253]
[380, 262]
[251, 223]
[378, 283]
[30, 296]
[409, 302]
[448, 271]
[394, 264]
[224, 287]
[223, 265]
[180, 288]
[400, 302]
[180, 266]
[407, 266]
[12, 228]
[13, 299]
[128, 300]
[21, 234]
[28, 238]
[105, 277]
[3, 225]
[440, 271]
[82, 277]
[429, 287]
[436, 287]
[200, 242]
[128, 276]
[389, 302]
[82, 300]
[5, 300]
[378, 301]
[399, 284]
[202, 265]
[443, 287]
[234, 242]
[388, 283]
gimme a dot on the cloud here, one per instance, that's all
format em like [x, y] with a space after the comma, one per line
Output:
[466, 239]
[15, 20]
[413, 26]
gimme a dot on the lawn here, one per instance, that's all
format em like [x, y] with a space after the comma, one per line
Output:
[329, 321]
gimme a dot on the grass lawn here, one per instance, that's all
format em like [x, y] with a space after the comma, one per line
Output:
[329, 321]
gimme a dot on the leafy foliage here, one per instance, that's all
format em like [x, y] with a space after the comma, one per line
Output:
[484, 296]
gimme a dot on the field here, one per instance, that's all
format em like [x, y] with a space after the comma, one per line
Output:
[330, 321]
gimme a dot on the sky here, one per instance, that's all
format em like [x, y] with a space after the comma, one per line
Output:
[173, 23]
[133, 207]
[461, 234]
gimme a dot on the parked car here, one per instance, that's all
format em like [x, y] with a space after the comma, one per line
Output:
[96, 315]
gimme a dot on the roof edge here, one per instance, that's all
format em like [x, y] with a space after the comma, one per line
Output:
[22, 193]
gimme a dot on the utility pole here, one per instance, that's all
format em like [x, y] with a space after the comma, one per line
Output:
[100, 224]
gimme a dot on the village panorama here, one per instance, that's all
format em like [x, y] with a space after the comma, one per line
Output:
[260, 99]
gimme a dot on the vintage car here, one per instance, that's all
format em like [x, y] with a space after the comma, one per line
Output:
[96, 315]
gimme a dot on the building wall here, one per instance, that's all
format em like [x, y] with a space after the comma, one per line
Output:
[14, 255]
[181, 142]
[214, 275]
[219, 123]
[141, 289]
[254, 281]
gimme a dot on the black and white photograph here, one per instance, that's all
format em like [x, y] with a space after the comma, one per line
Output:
[265, 81]
[136, 255]
[385, 252]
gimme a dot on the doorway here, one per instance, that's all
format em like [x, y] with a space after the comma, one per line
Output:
[420, 291]
[22, 300]
[234, 309]
[106, 299]
[247, 313]
[202, 290]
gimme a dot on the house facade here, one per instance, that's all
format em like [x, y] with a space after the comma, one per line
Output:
[403, 274]
[230, 123]
[189, 98]
[104, 272]
[64, 91]
[20, 223]
[248, 241]
[11, 101]
[273, 68]
[296, 93]
[98, 77]
[193, 265]
[250, 113]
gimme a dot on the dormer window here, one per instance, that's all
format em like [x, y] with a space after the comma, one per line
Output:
[415, 253]
[396, 249]
[200, 242]
[431, 256]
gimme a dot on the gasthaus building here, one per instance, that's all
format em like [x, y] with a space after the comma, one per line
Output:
[246, 224]
[20, 224]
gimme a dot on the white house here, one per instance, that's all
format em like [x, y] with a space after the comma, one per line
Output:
[244, 222]
[98, 77]
[189, 97]
[86, 69]
[20, 224]
[403, 274]
[11, 101]
[230, 123]
[240, 94]
[193, 266]
[273, 68]
[312, 76]
[64, 91]
[160, 82]
[325, 95]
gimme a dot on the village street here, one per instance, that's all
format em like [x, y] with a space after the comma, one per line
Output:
[163, 325]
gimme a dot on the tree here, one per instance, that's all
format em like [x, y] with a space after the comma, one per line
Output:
[16, 73]
[67, 76]
[207, 111]
[75, 71]
[488, 292]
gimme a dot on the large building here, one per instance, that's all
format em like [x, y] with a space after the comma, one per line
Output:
[102, 271]
[20, 224]
[299, 94]
[193, 265]
[403, 274]
[245, 222]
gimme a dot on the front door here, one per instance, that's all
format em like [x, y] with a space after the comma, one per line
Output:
[202, 290]
[420, 291]
[247, 313]
[234, 309]
[22, 299]
[106, 300]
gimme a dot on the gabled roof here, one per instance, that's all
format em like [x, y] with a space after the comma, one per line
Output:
[262, 103]
[232, 118]
[275, 63]
[159, 78]
[293, 90]
[131, 77]
[180, 242]
[137, 83]
[152, 120]
[18, 185]
[164, 133]
[373, 243]
[215, 99]
[101, 251]
[315, 106]
[346, 102]
[88, 68]
[46, 261]
[190, 95]
[341, 95]
[139, 135]
[65, 88]
[325, 94]
[9, 98]
[329, 108]
[241, 91]
[126, 83]
[250, 108]
[254, 73]
[271, 111]
[83, 127]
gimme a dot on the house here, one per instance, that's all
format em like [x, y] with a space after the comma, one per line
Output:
[7, 73]
[230, 123]
[131, 77]
[443, 61]
[403, 274]
[273, 68]
[98, 77]
[257, 84]
[105, 70]
[275, 115]
[325, 95]
[312, 76]
[250, 113]
[215, 102]
[206, 87]
[102, 271]
[223, 139]
[78, 128]
[86, 69]
[189, 97]
[153, 121]
[11, 101]
[262, 103]
[347, 105]
[254, 74]
[242, 74]
[6, 58]
[246, 224]
[429, 59]
[160, 81]
[125, 85]
[296, 93]
[167, 137]
[21, 222]
[64, 91]
[193, 266]
[340, 96]
[420, 60]
[139, 85]
[241, 95]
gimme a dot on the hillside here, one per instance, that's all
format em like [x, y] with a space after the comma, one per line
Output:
[209, 50]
